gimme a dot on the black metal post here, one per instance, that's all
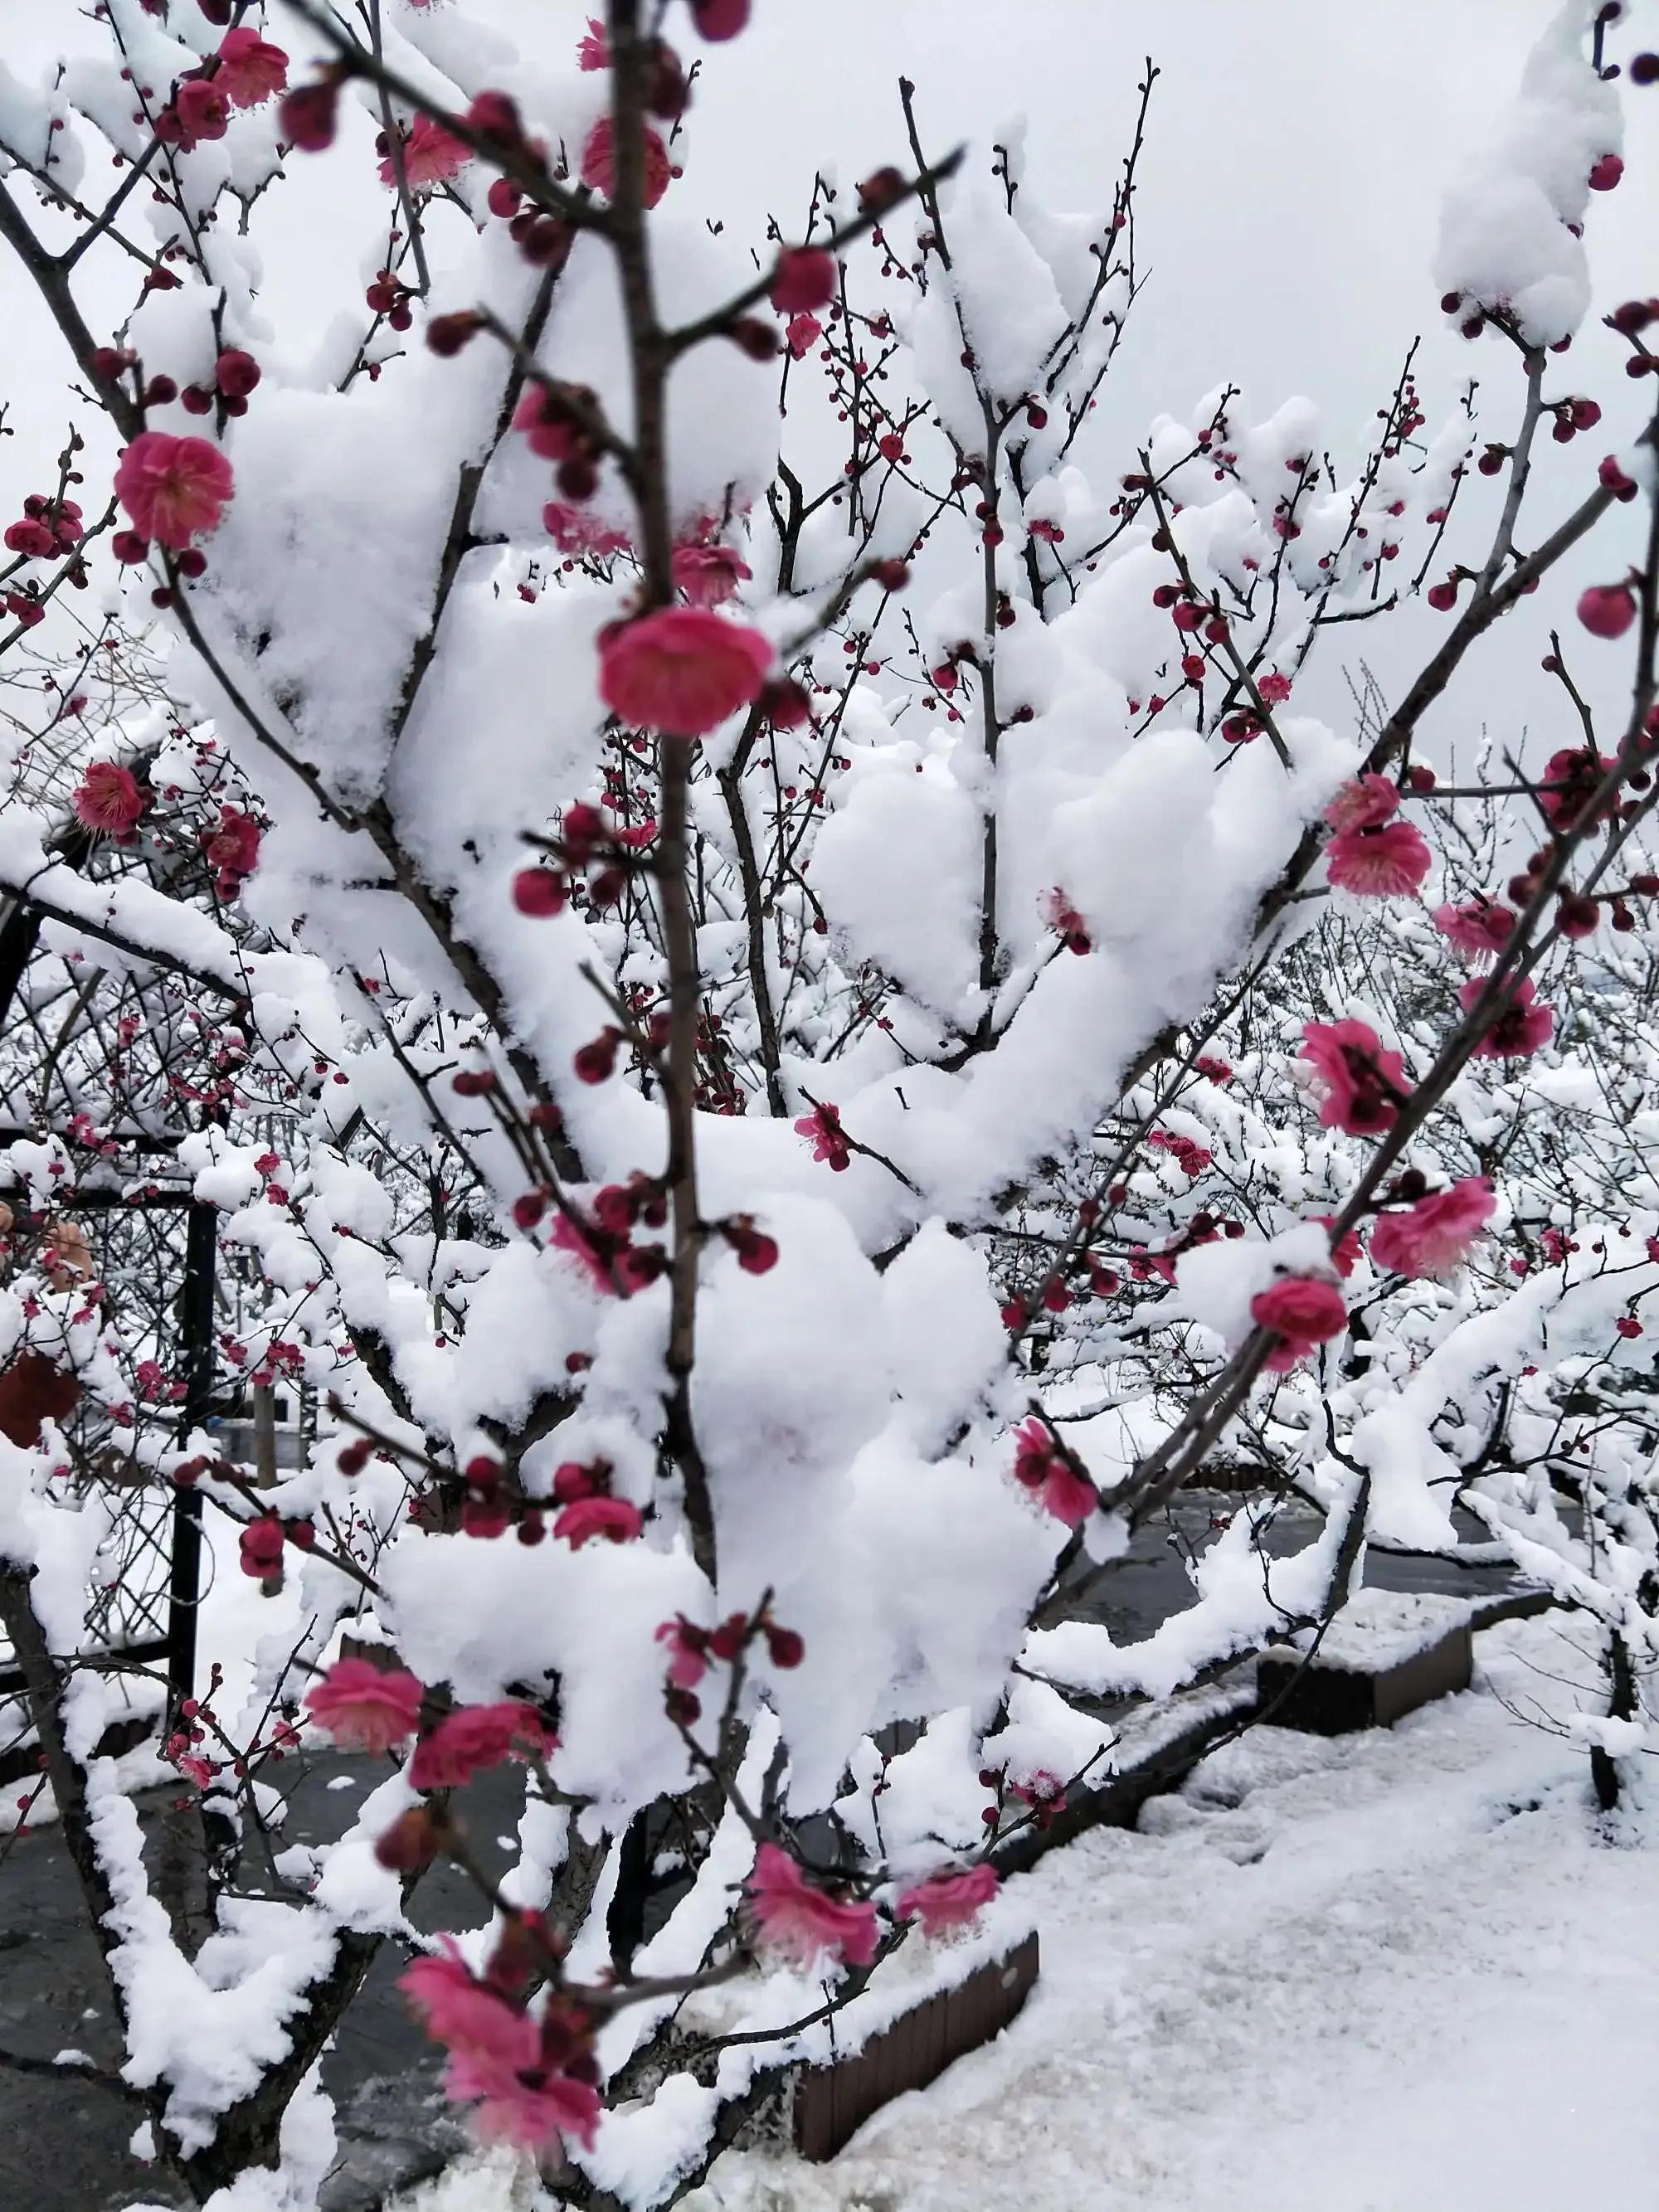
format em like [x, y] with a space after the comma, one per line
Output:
[196, 1334]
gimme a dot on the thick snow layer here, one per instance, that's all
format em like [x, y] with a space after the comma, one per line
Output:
[1379, 1628]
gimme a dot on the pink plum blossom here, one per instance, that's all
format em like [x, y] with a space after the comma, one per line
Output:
[1365, 803]
[948, 1901]
[1479, 929]
[1302, 1310]
[1390, 862]
[682, 670]
[1042, 1468]
[1359, 1083]
[710, 575]
[1432, 1237]
[475, 1737]
[800, 1921]
[1523, 1027]
[688, 1651]
[431, 155]
[724, 19]
[251, 69]
[598, 162]
[232, 847]
[201, 110]
[365, 1707]
[109, 798]
[499, 2059]
[173, 488]
[822, 1129]
[613, 1518]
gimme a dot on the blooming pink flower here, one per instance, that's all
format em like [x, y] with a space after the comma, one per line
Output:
[1359, 1083]
[1479, 929]
[365, 1707]
[464, 1742]
[1433, 1237]
[232, 847]
[1607, 610]
[109, 798]
[682, 670]
[431, 155]
[708, 574]
[688, 1651]
[1063, 917]
[31, 537]
[202, 109]
[1044, 1792]
[598, 162]
[946, 1901]
[1389, 862]
[1044, 1470]
[1365, 804]
[802, 1922]
[457, 2010]
[607, 1260]
[173, 488]
[1275, 689]
[576, 530]
[803, 333]
[612, 1517]
[526, 2106]
[1571, 779]
[531, 2083]
[593, 47]
[1524, 1027]
[828, 1139]
[249, 69]
[1190, 1155]
[1302, 1310]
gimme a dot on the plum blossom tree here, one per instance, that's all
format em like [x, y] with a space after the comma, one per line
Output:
[747, 926]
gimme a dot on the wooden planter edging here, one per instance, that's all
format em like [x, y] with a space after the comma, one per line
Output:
[1386, 1654]
[1330, 1697]
[1162, 1764]
[832, 2102]
[19, 1760]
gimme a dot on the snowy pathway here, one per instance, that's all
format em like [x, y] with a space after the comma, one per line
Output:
[1389, 1973]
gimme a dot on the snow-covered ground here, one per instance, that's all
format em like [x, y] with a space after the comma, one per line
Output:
[1394, 1973]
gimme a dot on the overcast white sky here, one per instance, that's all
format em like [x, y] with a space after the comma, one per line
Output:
[1297, 154]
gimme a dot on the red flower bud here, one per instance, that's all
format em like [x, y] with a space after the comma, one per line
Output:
[236, 373]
